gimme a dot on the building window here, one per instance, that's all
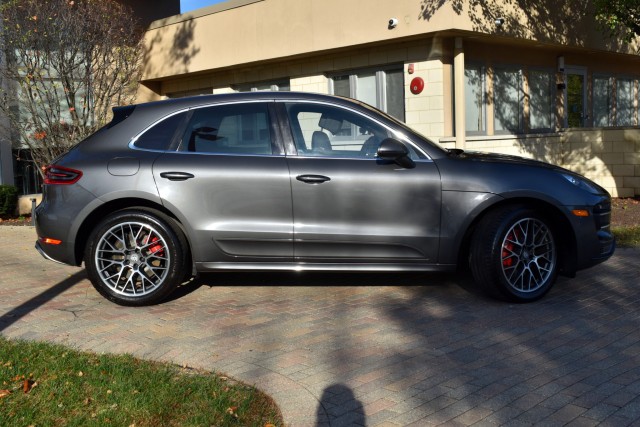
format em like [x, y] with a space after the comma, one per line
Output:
[194, 92]
[625, 107]
[541, 100]
[274, 86]
[602, 90]
[474, 94]
[507, 100]
[384, 89]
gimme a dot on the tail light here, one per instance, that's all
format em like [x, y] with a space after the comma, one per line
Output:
[59, 175]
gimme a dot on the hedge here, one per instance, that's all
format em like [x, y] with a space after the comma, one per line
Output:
[8, 200]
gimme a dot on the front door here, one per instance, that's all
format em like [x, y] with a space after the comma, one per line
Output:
[349, 206]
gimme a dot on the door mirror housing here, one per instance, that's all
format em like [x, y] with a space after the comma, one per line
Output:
[395, 151]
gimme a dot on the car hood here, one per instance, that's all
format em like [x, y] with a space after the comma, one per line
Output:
[499, 174]
[499, 158]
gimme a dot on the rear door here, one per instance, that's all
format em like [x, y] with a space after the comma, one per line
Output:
[229, 184]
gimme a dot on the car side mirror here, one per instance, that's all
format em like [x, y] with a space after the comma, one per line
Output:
[395, 151]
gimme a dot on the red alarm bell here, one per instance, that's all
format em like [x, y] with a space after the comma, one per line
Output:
[417, 85]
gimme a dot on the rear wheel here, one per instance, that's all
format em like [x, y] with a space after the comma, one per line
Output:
[514, 255]
[136, 257]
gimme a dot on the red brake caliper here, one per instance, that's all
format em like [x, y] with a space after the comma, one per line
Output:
[157, 249]
[154, 249]
[507, 254]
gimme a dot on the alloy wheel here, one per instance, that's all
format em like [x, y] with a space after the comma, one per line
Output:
[132, 259]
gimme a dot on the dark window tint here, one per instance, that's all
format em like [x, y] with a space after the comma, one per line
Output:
[229, 129]
[160, 136]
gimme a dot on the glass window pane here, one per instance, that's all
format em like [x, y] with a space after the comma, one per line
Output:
[318, 130]
[341, 86]
[229, 129]
[395, 94]
[276, 86]
[575, 100]
[506, 96]
[624, 103]
[474, 100]
[540, 99]
[366, 89]
[160, 136]
[601, 101]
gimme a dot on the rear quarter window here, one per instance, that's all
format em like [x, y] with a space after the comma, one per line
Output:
[160, 136]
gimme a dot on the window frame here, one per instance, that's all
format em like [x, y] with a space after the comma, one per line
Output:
[553, 92]
[380, 75]
[610, 99]
[634, 108]
[507, 68]
[482, 69]
[292, 149]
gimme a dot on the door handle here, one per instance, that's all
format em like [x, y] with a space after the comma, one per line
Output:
[313, 179]
[177, 176]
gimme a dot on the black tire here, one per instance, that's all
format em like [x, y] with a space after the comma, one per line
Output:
[136, 257]
[514, 254]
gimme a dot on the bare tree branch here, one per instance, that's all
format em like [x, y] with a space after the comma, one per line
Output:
[68, 63]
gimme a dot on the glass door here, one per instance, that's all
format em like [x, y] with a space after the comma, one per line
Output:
[575, 97]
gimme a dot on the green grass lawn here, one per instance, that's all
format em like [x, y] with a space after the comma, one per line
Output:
[627, 237]
[49, 385]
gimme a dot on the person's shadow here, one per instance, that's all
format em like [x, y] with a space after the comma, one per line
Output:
[339, 406]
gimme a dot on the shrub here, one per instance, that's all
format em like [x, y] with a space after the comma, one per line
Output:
[8, 200]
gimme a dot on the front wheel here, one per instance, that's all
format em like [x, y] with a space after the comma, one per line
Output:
[136, 257]
[514, 254]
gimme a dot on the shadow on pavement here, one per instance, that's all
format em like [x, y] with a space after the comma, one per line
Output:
[339, 406]
[12, 316]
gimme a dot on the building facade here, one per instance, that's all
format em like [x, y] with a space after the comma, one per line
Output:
[540, 81]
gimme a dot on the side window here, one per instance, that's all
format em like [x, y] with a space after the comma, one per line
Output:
[229, 129]
[160, 136]
[328, 131]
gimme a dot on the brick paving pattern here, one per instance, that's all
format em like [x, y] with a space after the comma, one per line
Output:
[363, 349]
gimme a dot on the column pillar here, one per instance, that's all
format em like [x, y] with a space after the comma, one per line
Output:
[458, 90]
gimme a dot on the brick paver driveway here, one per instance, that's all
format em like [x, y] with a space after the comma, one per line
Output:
[363, 349]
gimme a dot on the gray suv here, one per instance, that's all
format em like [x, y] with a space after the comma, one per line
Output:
[298, 181]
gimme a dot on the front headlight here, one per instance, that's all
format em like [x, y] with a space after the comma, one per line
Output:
[582, 183]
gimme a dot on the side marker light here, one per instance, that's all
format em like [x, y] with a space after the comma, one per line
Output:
[50, 241]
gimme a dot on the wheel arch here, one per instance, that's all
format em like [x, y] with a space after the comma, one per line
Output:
[92, 220]
[561, 225]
